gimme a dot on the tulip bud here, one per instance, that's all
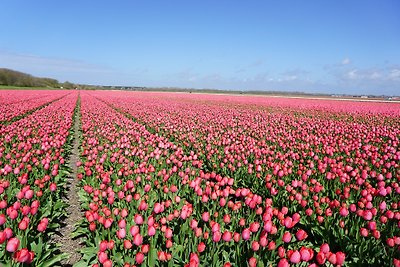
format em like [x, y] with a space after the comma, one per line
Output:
[12, 244]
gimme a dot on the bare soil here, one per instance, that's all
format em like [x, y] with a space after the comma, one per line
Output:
[69, 245]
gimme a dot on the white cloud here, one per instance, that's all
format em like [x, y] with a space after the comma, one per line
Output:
[378, 74]
[257, 63]
[377, 80]
[375, 75]
[383, 80]
[290, 78]
[251, 66]
[346, 61]
[342, 77]
[40, 62]
[394, 74]
[59, 68]
[352, 74]
[296, 74]
[187, 75]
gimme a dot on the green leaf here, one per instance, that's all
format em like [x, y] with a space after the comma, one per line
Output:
[59, 205]
[118, 258]
[8, 264]
[129, 259]
[53, 225]
[80, 264]
[225, 255]
[152, 256]
[54, 260]
[37, 248]
[215, 260]
[79, 232]
[89, 251]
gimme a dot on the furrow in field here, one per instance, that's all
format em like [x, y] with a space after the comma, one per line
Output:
[69, 244]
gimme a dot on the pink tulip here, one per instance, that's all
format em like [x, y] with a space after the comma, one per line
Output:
[12, 244]
[254, 226]
[287, 237]
[168, 233]
[53, 187]
[301, 235]
[344, 212]
[127, 244]
[217, 236]
[305, 254]
[3, 219]
[364, 232]
[227, 236]
[121, 233]
[283, 263]
[288, 222]
[137, 239]
[107, 263]
[340, 258]
[367, 215]
[3, 237]
[138, 219]
[8, 232]
[255, 246]
[24, 256]
[295, 257]
[139, 258]
[332, 258]
[325, 248]
[151, 230]
[246, 234]
[134, 230]
[23, 224]
[252, 262]
[321, 258]
[205, 216]
[201, 247]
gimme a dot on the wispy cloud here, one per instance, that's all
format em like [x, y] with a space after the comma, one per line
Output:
[376, 80]
[40, 62]
[394, 74]
[346, 61]
[295, 74]
[59, 68]
[339, 79]
[376, 74]
[251, 66]
[187, 75]
[291, 80]
[257, 63]
[347, 77]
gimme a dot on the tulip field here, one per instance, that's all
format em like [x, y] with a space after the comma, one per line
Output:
[33, 151]
[177, 179]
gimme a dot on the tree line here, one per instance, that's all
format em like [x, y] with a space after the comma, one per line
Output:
[16, 78]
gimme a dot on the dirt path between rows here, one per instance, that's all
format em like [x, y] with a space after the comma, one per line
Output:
[69, 245]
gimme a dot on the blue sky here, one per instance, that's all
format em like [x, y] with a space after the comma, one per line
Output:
[333, 46]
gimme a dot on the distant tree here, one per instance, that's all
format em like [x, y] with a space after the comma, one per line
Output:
[50, 82]
[16, 78]
[68, 85]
